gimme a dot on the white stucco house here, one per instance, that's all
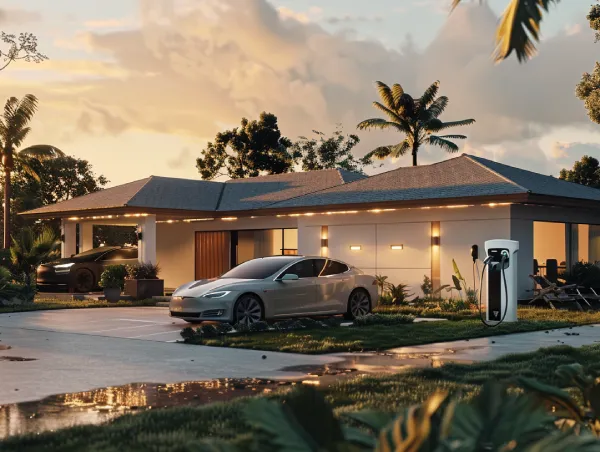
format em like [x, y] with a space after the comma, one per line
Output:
[404, 223]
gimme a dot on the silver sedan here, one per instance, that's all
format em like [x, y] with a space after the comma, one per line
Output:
[277, 287]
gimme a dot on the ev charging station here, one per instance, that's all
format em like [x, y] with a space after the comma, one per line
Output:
[500, 281]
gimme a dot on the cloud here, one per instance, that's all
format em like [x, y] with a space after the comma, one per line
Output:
[349, 18]
[187, 72]
[18, 16]
[182, 160]
[108, 23]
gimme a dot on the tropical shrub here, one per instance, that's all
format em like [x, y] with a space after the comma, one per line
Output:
[399, 293]
[113, 277]
[584, 274]
[30, 249]
[497, 419]
[380, 319]
[146, 270]
[427, 286]
[382, 283]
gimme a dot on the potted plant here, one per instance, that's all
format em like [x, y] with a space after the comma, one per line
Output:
[142, 281]
[111, 280]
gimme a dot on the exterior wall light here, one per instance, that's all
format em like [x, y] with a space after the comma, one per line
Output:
[138, 233]
[397, 247]
[355, 247]
[324, 243]
[435, 241]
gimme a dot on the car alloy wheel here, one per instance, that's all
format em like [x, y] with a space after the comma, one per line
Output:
[359, 303]
[84, 281]
[248, 310]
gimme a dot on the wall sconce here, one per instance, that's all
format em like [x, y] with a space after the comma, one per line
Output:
[324, 243]
[138, 233]
[397, 247]
[355, 247]
[435, 241]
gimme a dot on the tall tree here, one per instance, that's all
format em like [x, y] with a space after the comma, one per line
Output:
[417, 119]
[253, 149]
[326, 153]
[14, 129]
[585, 172]
[519, 27]
[22, 47]
[588, 89]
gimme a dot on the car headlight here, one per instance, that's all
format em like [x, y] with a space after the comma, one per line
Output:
[220, 294]
[63, 267]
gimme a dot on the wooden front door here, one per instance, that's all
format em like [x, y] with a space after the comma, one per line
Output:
[212, 254]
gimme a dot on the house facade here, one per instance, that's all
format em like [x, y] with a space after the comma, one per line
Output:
[405, 223]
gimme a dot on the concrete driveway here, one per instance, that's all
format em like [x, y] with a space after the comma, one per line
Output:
[55, 352]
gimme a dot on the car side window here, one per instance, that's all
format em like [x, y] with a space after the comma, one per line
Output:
[319, 266]
[333, 268]
[304, 269]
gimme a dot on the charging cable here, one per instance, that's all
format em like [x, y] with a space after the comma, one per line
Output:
[485, 264]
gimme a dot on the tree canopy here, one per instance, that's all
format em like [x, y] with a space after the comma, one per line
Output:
[256, 148]
[22, 47]
[320, 153]
[585, 172]
[588, 89]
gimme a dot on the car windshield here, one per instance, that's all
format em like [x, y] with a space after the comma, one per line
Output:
[259, 268]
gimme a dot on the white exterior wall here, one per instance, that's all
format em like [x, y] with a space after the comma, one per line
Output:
[375, 232]
[175, 243]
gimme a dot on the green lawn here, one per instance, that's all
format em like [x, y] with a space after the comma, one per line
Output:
[43, 304]
[180, 429]
[380, 337]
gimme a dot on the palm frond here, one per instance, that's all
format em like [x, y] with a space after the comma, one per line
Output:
[16, 116]
[379, 123]
[446, 145]
[385, 93]
[397, 92]
[429, 95]
[42, 152]
[447, 125]
[379, 153]
[454, 137]
[438, 106]
[400, 149]
[390, 113]
[519, 28]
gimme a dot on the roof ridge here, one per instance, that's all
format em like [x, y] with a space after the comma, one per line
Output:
[148, 179]
[475, 160]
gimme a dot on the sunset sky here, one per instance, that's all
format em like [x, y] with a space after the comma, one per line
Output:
[138, 87]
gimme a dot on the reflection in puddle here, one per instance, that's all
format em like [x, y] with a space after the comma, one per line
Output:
[101, 405]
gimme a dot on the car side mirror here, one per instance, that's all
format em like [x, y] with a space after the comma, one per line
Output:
[289, 277]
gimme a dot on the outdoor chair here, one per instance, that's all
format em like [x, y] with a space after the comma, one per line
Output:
[551, 294]
[552, 270]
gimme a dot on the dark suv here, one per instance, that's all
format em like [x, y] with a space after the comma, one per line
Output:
[80, 273]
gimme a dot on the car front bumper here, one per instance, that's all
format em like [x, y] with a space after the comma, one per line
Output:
[196, 309]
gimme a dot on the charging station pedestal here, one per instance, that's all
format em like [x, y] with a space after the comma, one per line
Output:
[501, 298]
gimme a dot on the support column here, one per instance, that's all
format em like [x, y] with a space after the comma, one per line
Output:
[86, 237]
[572, 243]
[147, 240]
[522, 232]
[68, 232]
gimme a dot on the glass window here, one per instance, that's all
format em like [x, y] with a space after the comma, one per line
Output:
[319, 264]
[259, 268]
[334, 268]
[117, 255]
[304, 269]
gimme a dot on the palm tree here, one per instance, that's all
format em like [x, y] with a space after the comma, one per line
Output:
[13, 131]
[417, 119]
[519, 27]
[30, 250]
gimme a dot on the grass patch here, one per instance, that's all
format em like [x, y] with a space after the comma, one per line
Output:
[44, 304]
[376, 337]
[381, 337]
[180, 429]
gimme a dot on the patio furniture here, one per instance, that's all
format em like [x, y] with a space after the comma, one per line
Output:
[551, 293]
[552, 270]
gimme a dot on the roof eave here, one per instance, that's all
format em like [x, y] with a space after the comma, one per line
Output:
[122, 210]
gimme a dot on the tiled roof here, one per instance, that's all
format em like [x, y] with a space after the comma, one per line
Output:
[454, 178]
[257, 192]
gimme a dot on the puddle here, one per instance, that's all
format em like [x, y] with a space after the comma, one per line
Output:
[101, 405]
[15, 358]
